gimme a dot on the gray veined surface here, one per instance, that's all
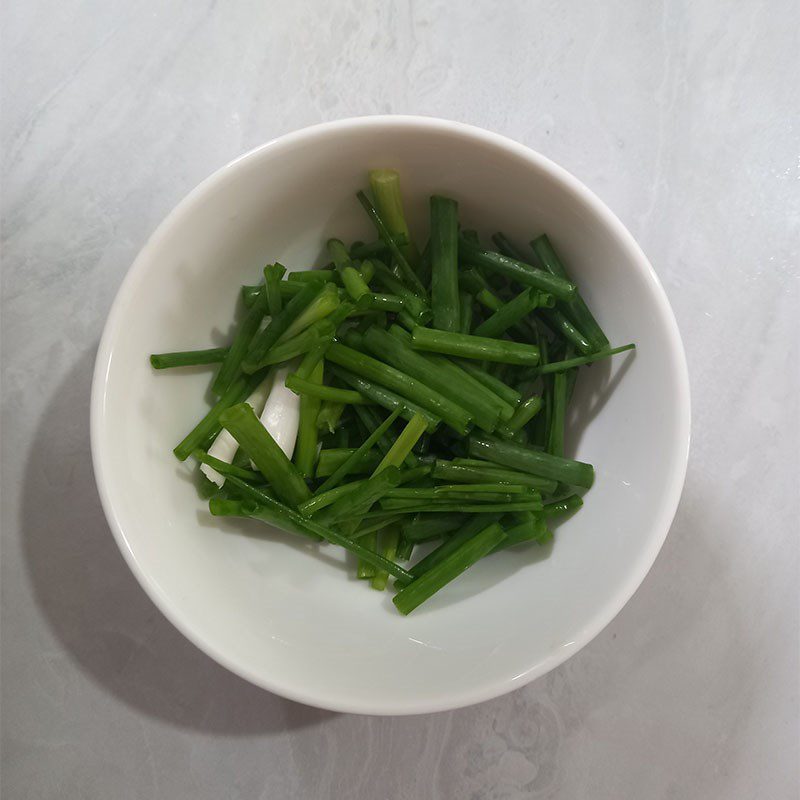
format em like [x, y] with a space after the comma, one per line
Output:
[682, 117]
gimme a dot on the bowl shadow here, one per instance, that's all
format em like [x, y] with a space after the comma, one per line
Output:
[594, 388]
[95, 606]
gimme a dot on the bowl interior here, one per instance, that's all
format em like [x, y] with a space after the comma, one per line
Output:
[291, 617]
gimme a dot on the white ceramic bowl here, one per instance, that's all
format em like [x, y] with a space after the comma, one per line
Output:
[290, 617]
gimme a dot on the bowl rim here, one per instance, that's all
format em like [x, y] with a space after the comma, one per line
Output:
[481, 691]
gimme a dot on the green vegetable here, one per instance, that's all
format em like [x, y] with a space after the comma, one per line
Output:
[272, 286]
[571, 503]
[476, 347]
[382, 396]
[571, 363]
[189, 358]
[404, 443]
[444, 263]
[321, 392]
[385, 186]
[278, 325]
[373, 370]
[510, 313]
[393, 351]
[464, 533]
[361, 499]
[518, 271]
[231, 366]
[464, 312]
[358, 457]
[210, 426]
[389, 540]
[559, 324]
[476, 351]
[283, 476]
[576, 308]
[409, 276]
[484, 472]
[424, 527]
[504, 246]
[305, 451]
[224, 468]
[471, 551]
[532, 528]
[525, 459]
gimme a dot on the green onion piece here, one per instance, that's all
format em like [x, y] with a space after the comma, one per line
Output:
[364, 496]
[250, 295]
[210, 426]
[330, 459]
[358, 457]
[224, 468]
[305, 451]
[385, 186]
[188, 358]
[464, 312]
[322, 500]
[368, 420]
[532, 528]
[376, 525]
[388, 548]
[444, 263]
[376, 249]
[272, 283]
[404, 443]
[409, 276]
[413, 304]
[464, 533]
[365, 569]
[354, 283]
[324, 304]
[511, 313]
[484, 472]
[329, 416]
[509, 454]
[263, 341]
[458, 490]
[371, 301]
[313, 276]
[231, 366]
[571, 503]
[555, 442]
[505, 505]
[283, 476]
[381, 396]
[561, 326]
[525, 412]
[448, 382]
[578, 361]
[471, 551]
[507, 248]
[308, 389]
[373, 370]
[475, 347]
[405, 549]
[319, 335]
[310, 360]
[517, 271]
[577, 309]
[425, 527]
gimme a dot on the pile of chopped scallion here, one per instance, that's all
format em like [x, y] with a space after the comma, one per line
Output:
[397, 397]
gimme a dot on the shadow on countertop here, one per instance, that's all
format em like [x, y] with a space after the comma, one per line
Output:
[97, 609]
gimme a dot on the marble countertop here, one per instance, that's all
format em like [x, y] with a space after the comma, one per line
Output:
[682, 117]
